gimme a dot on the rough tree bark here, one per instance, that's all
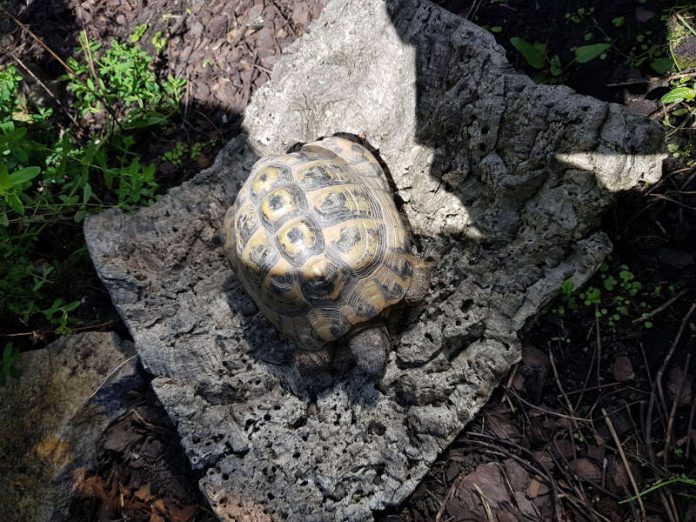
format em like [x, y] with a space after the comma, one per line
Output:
[503, 182]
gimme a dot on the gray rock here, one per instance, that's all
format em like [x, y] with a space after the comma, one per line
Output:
[503, 182]
[52, 418]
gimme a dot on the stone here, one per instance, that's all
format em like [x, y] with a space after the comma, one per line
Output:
[52, 417]
[503, 183]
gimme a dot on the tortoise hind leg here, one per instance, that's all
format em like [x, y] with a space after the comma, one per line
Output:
[370, 347]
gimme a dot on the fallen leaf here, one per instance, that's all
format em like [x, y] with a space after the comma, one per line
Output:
[677, 380]
[587, 469]
[623, 369]
[143, 493]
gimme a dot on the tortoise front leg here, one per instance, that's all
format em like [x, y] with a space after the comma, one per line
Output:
[370, 347]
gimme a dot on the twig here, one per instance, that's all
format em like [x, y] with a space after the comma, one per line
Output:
[691, 71]
[38, 40]
[548, 412]
[624, 460]
[448, 496]
[672, 414]
[560, 388]
[658, 381]
[486, 505]
[111, 373]
[649, 315]
[661, 196]
[44, 87]
[42, 333]
[690, 429]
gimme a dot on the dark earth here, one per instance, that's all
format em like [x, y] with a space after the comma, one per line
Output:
[601, 406]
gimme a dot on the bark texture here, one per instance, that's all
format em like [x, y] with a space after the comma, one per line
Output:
[503, 183]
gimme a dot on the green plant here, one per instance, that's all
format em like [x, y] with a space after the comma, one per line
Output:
[50, 179]
[616, 295]
[8, 363]
[159, 41]
[680, 479]
[121, 78]
[176, 155]
[536, 55]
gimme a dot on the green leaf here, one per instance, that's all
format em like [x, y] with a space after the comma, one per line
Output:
[529, 52]
[679, 94]
[15, 203]
[556, 67]
[23, 175]
[586, 53]
[661, 65]
[138, 33]
[618, 21]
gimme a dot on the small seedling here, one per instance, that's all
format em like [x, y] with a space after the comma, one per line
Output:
[616, 297]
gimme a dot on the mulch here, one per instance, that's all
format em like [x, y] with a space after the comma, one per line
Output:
[590, 416]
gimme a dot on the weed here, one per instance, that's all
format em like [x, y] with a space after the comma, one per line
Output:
[159, 42]
[48, 178]
[176, 155]
[619, 295]
[536, 55]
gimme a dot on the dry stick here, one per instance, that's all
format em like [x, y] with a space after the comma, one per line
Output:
[632, 479]
[675, 403]
[599, 348]
[589, 372]
[38, 40]
[658, 383]
[679, 203]
[686, 72]
[44, 87]
[649, 315]
[448, 496]
[62, 62]
[50, 332]
[690, 429]
[111, 373]
[486, 505]
[560, 388]
[548, 412]
[651, 403]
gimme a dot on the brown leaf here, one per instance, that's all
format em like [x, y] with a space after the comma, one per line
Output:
[159, 505]
[182, 514]
[623, 369]
[516, 474]
[678, 379]
[534, 358]
[536, 488]
[587, 469]
[143, 493]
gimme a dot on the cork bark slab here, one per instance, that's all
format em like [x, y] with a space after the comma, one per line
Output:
[503, 183]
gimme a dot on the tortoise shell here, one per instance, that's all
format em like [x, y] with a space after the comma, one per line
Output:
[316, 240]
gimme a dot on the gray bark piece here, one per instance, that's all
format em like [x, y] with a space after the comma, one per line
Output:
[52, 418]
[503, 182]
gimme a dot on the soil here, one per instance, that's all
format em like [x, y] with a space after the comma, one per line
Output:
[599, 409]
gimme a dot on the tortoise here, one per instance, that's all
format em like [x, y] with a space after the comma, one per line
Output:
[316, 240]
